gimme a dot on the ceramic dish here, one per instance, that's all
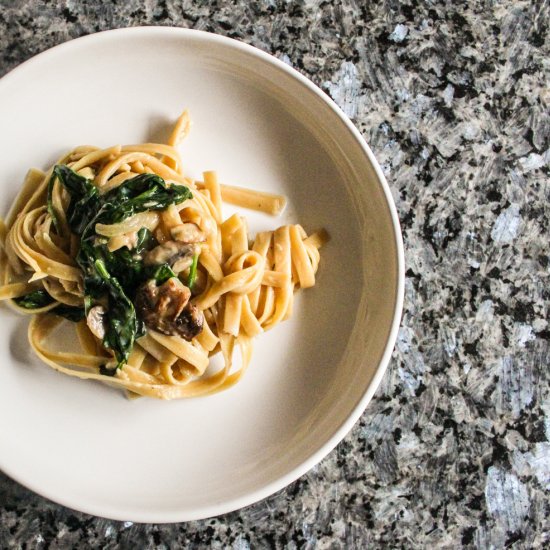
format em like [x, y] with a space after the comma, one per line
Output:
[260, 124]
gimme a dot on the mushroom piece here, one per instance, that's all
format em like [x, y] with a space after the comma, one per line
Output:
[187, 233]
[176, 254]
[95, 321]
[189, 324]
[166, 308]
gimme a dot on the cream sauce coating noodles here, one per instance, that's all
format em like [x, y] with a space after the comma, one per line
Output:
[242, 286]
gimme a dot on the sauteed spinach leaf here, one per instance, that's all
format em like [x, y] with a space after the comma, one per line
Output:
[40, 298]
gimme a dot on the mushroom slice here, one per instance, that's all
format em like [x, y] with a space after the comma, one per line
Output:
[169, 253]
[187, 233]
[95, 321]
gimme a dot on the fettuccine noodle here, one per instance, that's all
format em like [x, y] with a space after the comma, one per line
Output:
[242, 287]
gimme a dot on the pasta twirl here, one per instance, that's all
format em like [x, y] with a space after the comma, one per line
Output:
[139, 256]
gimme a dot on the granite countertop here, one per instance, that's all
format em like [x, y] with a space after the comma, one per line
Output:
[453, 98]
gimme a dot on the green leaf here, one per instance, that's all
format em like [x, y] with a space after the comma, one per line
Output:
[50, 208]
[121, 323]
[193, 272]
[106, 371]
[160, 273]
[40, 298]
[138, 194]
[34, 300]
[71, 313]
[145, 241]
[85, 199]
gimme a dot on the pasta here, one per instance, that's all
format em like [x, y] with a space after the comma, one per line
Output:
[120, 242]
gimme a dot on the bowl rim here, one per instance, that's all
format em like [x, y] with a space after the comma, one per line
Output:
[320, 453]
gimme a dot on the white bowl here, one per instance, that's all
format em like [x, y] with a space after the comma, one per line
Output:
[258, 123]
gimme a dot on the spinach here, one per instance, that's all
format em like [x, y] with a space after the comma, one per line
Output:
[71, 313]
[121, 322]
[85, 199]
[34, 300]
[161, 273]
[87, 207]
[105, 371]
[127, 265]
[138, 194]
[40, 298]
[193, 272]
[49, 202]
[145, 241]
[115, 276]
[124, 265]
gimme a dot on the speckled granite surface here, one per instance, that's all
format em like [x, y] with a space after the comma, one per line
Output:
[453, 98]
